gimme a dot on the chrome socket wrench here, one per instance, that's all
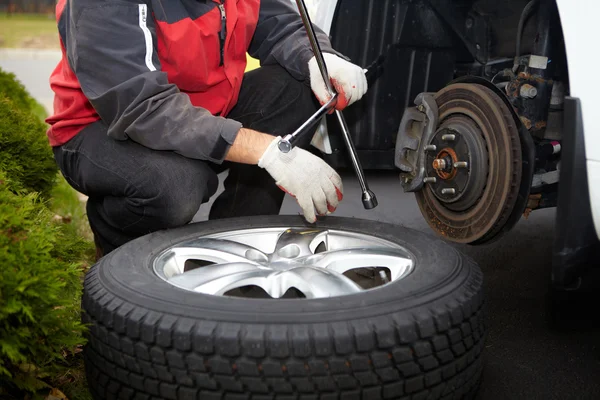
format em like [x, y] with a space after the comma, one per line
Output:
[369, 199]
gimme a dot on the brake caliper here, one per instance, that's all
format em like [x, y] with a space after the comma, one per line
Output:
[417, 128]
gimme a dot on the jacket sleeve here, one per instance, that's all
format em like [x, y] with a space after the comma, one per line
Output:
[111, 48]
[280, 38]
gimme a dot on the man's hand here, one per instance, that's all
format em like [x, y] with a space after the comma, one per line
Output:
[314, 184]
[349, 80]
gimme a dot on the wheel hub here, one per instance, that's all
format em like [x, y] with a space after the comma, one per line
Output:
[443, 164]
[460, 168]
[315, 263]
[472, 165]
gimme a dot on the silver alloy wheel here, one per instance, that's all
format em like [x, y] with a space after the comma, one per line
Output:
[317, 263]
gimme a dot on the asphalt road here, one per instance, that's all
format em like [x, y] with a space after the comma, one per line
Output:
[33, 68]
[526, 356]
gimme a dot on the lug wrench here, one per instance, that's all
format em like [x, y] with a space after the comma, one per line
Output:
[285, 145]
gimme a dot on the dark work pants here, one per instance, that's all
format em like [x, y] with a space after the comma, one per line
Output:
[134, 190]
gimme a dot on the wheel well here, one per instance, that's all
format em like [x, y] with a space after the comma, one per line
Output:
[421, 46]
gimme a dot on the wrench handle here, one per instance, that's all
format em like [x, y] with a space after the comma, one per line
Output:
[316, 47]
[287, 142]
[368, 197]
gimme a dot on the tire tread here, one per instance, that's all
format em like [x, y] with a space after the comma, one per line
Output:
[144, 353]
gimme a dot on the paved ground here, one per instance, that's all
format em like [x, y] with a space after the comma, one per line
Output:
[526, 358]
[33, 68]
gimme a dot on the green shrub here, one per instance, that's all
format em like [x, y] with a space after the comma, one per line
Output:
[25, 155]
[40, 288]
[42, 257]
[11, 88]
[14, 90]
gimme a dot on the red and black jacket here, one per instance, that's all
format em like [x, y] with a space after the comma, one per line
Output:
[166, 73]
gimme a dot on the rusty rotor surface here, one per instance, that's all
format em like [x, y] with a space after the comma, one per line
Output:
[498, 188]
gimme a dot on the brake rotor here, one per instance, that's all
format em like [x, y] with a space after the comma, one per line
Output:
[473, 165]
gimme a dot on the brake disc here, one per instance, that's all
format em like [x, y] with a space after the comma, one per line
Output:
[472, 165]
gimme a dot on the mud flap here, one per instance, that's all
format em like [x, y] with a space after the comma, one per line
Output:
[576, 245]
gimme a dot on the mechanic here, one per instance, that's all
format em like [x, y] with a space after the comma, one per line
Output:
[152, 101]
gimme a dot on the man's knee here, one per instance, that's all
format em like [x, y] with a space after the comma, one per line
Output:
[175, 210]
[176, 200]
[293, 91]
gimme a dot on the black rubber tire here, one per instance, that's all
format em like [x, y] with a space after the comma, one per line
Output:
[418, 338]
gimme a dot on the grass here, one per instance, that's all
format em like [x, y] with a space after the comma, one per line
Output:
[73, 383]
[28, 31]
[66, 203]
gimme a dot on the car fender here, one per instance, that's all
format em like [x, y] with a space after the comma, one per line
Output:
[581, 31]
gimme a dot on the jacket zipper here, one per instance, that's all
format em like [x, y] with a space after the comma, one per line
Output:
[223, 32]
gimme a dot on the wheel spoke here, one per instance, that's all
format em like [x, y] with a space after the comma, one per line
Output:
[218, 279]
[219, 251]
[316, 282]
[280, 260]
[293, 243]
[341, 261]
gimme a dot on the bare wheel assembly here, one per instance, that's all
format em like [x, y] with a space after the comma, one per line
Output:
[460, 152]
[269, 307]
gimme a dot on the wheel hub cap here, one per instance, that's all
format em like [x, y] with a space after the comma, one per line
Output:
[315, 263]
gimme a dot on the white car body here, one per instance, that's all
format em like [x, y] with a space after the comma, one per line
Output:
[581, 30]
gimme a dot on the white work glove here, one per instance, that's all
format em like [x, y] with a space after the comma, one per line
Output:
[349, 80]
[310, 180]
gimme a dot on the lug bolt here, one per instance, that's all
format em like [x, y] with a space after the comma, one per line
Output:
[439, 163]
[383, 277]
[527, 91]
[449, 137]
[430, 179]
[430, 147]
[461, 164]
[449, 191]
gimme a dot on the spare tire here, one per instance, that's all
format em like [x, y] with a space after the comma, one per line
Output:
[381, 311]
